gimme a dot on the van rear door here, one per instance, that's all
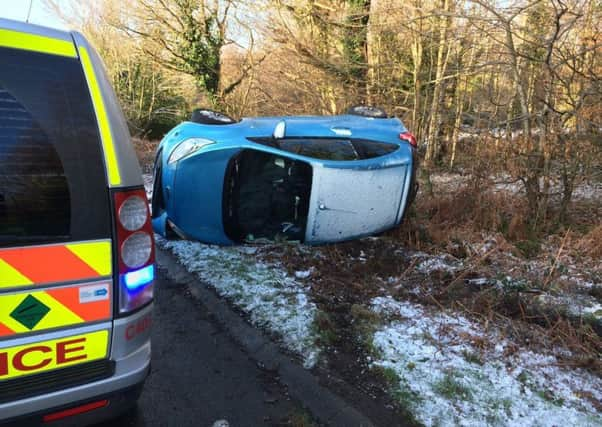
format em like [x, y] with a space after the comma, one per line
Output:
[56, 286]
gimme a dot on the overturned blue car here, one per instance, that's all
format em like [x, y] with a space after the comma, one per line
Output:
[314, 179]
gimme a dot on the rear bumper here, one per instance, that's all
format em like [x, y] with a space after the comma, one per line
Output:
[119, 402]
[132, 356]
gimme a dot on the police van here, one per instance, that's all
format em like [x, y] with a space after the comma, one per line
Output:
[76, 245]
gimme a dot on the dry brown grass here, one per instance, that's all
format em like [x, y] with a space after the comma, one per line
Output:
[591, 243]
[145, 150]
[448, 220]
[459, 222]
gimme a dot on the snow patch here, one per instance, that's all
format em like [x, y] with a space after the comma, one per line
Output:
[303, 274]
[272, 298]
[576, 306]
[430, 263]
[452, 373]
[147, 179]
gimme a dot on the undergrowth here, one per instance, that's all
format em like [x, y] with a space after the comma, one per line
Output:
[504, 265]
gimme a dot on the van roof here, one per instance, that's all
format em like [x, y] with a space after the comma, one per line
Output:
[25, 27]
[121, 160]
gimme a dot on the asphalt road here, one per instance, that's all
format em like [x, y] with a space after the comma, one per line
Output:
[200, 375]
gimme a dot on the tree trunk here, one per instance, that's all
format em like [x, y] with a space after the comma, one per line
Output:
[432, 150]
[461, 91]
[355, 46]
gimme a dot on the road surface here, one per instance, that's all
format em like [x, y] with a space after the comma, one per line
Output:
[200, 376]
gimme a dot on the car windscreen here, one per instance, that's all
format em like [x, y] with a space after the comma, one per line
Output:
[338, 149]
[52, 178]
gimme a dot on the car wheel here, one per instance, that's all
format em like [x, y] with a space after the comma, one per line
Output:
[209, 117]
[367, 111]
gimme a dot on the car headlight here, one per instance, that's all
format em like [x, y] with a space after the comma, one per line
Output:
[187, 147]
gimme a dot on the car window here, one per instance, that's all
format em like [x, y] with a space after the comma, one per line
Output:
[318, 148]
[330, 148]
[323, 149]
[52, 178]
[371, 149]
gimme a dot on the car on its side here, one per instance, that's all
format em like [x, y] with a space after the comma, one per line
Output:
[76, 242]
[314, 179]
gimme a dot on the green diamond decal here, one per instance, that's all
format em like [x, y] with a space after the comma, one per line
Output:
[30, 312]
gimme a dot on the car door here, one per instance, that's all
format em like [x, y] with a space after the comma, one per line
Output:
[355, 198]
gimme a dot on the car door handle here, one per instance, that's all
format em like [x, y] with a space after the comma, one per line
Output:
[340, 131]
[323, 207]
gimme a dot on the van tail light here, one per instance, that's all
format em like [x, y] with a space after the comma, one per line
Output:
[410, 138]
[135, 249]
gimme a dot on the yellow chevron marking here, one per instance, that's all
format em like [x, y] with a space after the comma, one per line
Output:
[96, 254]
[9, 277]
[36, 43]
[102, 118]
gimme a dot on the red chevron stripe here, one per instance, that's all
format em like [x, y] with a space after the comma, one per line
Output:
[5, 331]
[89, 311]
[47, 264]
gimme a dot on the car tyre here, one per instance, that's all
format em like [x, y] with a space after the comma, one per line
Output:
[368, 111]
[209, 117]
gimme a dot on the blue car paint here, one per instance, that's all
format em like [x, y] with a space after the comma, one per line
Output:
[193, 187]
[204, 172]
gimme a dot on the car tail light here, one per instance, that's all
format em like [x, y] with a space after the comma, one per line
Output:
[410, 138]
[135, 250]
[56, 416]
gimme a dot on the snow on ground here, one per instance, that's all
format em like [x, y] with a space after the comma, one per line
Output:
[147, 179]
[452, 373]
[576, 306]
[592, 191]
[429, 263]
[270, 297]
[504, 183]
[303, 274]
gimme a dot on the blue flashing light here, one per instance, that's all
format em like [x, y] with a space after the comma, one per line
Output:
[136, 279]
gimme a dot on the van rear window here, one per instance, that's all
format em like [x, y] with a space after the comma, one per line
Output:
[52, 177]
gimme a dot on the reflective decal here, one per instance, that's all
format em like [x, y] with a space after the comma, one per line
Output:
[36, 43]
[30, 312]
[9, 276]
[53, 308]
[93, 293]
[53, 354]
[103, 121]
[141, 326]
[36, 265]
